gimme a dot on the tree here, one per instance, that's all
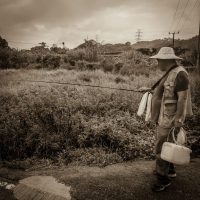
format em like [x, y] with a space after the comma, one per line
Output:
[128, 44]
[43, 44]
[3, 43]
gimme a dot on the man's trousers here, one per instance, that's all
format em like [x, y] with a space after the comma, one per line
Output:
[162, 166]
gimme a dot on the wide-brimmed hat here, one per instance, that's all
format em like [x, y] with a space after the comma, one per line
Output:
[166, 53]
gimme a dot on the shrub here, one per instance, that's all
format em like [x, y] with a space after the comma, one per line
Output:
[119, 80]
[107, 65]
[72, 63]
[77, 54]
[39, 59]
[45, 121]
[4, 58]
[85, 77]
[90, 66]
[66, 59]
[192, 124]
[118, 67]
[78, 124]
[127, 69]
[51, 61]
[18, 60]
[93, 156]
[81, 65]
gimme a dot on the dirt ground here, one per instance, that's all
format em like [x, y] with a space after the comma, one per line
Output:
[127, 181]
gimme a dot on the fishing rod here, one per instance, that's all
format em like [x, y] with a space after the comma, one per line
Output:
[85, 85]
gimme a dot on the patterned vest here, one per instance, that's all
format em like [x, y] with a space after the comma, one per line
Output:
[169, 101]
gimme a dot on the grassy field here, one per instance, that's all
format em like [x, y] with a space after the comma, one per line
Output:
[73, 124]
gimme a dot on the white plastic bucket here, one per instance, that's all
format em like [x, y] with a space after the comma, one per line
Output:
[174, 153]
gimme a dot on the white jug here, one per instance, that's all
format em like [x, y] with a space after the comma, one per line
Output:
[175, 153]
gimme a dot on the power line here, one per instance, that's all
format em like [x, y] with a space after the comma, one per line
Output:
[182, 15]
[194, 6]
[175, 14]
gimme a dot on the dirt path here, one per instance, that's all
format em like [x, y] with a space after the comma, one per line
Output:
[127, 181]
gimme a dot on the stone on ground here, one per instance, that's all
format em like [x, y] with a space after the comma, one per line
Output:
[41, 187]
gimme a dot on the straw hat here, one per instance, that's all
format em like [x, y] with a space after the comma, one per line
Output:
[166, 53]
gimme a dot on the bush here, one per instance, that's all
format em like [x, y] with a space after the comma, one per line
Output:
[81, 65]
[66, 59]
[51, 61]
[127, 69]
[18, 60]
[85, 77]
[93, 156]
[118, 67]
[72, 63]
[47, 121]
[88, 54]
[119, 80]
[78, 124]
[192, 124]
[107, 65]
[4, 58]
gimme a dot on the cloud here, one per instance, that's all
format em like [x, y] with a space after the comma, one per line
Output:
[33, 21]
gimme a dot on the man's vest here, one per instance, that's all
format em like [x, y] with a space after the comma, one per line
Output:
[169, 101]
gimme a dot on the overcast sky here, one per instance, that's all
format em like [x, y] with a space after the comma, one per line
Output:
[25, 23]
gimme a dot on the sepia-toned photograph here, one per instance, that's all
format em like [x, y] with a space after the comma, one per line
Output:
[99, 99]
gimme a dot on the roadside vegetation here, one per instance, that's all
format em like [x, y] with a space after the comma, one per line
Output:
[79, 125]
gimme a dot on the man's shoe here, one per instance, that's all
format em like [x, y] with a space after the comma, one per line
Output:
[161, 186]
[172, 174]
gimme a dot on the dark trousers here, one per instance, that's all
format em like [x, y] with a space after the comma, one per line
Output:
[162, 166]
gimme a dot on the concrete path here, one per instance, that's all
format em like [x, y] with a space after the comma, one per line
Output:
[125, 181]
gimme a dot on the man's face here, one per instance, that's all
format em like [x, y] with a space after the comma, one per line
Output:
[163, 64]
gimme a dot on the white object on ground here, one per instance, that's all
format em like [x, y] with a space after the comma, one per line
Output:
[148, 111]
[10, 186]
[143, 104]
[41, 188]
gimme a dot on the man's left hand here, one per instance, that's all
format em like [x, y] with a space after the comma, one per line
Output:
[177, 124]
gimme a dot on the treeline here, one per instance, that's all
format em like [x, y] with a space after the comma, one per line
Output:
[88, 56]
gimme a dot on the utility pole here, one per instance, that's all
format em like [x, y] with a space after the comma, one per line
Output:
[138, 35]
[198, 51]
[174, 36]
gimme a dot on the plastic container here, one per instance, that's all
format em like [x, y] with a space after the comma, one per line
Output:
[175, 153]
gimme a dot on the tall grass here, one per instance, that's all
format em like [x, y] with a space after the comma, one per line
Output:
[46, 119]
[73, 123]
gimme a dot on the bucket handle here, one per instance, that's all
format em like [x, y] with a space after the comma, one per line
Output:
[173, 136]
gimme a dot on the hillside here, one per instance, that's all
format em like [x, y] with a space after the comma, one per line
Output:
[105, 48]
[186, 44]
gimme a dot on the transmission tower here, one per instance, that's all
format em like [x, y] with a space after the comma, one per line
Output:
[138, 35]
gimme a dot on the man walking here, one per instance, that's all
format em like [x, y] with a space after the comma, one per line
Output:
[171, 103]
